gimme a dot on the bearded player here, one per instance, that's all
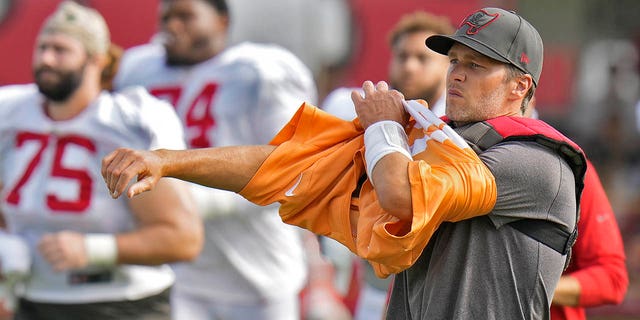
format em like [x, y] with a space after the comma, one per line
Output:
[85, 255]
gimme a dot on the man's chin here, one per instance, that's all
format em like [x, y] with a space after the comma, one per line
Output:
[178, 60]
[177, 56]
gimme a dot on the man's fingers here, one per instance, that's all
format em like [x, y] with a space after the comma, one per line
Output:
[106, 161]
[118, 169]
[141, 186]
[382, 86]
[111, 168]
[356, 97]
[129, 170]
[368, 88]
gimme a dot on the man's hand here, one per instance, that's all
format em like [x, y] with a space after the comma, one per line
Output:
[378, 104]
[122, 165]
[63, 250]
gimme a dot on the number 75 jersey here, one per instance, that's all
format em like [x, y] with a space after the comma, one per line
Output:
[50, 170]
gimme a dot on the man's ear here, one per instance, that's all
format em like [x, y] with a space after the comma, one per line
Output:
[101, 60]
[522, 85]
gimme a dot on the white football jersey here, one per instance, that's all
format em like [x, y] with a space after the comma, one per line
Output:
[242, 96]
[51, 178]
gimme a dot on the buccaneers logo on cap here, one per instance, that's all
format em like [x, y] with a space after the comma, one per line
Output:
[478, 20]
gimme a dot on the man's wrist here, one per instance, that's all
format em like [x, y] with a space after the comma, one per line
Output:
[382, 138]
[101, 249]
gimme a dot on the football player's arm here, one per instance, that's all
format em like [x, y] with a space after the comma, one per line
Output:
[169, 230]
[169, 227]
[389, 175]
[391, 181]
[225, 168]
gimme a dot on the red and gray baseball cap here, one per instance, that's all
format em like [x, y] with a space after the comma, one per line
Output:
[498, 34]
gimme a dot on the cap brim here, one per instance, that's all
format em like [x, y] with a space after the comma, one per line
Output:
[441, 44]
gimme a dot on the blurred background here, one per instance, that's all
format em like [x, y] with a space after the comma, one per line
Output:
[589, 88]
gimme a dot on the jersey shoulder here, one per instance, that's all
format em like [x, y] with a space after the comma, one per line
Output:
[16, 92]
[17, 97]
[274, 64]
[136, 108]
[138, 63]
[266, 57]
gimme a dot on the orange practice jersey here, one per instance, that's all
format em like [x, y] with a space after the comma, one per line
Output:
[315, 169]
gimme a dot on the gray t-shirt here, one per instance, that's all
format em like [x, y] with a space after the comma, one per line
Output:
[482, 268]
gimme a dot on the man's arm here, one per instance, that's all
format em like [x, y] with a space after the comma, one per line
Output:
[169, 230]
[390, 175]
[226, 168]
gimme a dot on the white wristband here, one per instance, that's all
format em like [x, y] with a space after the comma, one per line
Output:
[101, 248]
[382, 138]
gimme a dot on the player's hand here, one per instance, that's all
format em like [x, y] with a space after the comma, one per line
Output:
[378, 104]
[122, 165]
[64, 250]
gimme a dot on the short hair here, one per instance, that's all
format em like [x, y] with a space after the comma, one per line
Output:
[420, 21]
[514, 72]
[220, 5]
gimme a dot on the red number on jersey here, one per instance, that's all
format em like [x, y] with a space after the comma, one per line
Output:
[58, 170]
[169, 94]
[198, 118]
[82, 176]
[14, 195]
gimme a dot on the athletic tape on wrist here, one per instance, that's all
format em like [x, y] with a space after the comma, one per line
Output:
[102, 249]
[382, 138]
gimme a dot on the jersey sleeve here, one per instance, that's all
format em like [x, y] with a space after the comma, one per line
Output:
[316, 173]
[284, 83]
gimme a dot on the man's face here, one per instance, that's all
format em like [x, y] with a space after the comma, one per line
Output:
[415, 70]
[476, 86]
[192, 31]
[59, 62]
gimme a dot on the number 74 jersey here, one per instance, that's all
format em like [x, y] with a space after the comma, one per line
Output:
[244, 95]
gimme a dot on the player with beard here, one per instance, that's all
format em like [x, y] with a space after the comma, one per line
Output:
[73, 252]
[252, 265]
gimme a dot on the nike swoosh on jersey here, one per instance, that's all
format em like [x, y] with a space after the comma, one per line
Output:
[289, 192]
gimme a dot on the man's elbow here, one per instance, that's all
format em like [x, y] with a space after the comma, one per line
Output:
[190, 241]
